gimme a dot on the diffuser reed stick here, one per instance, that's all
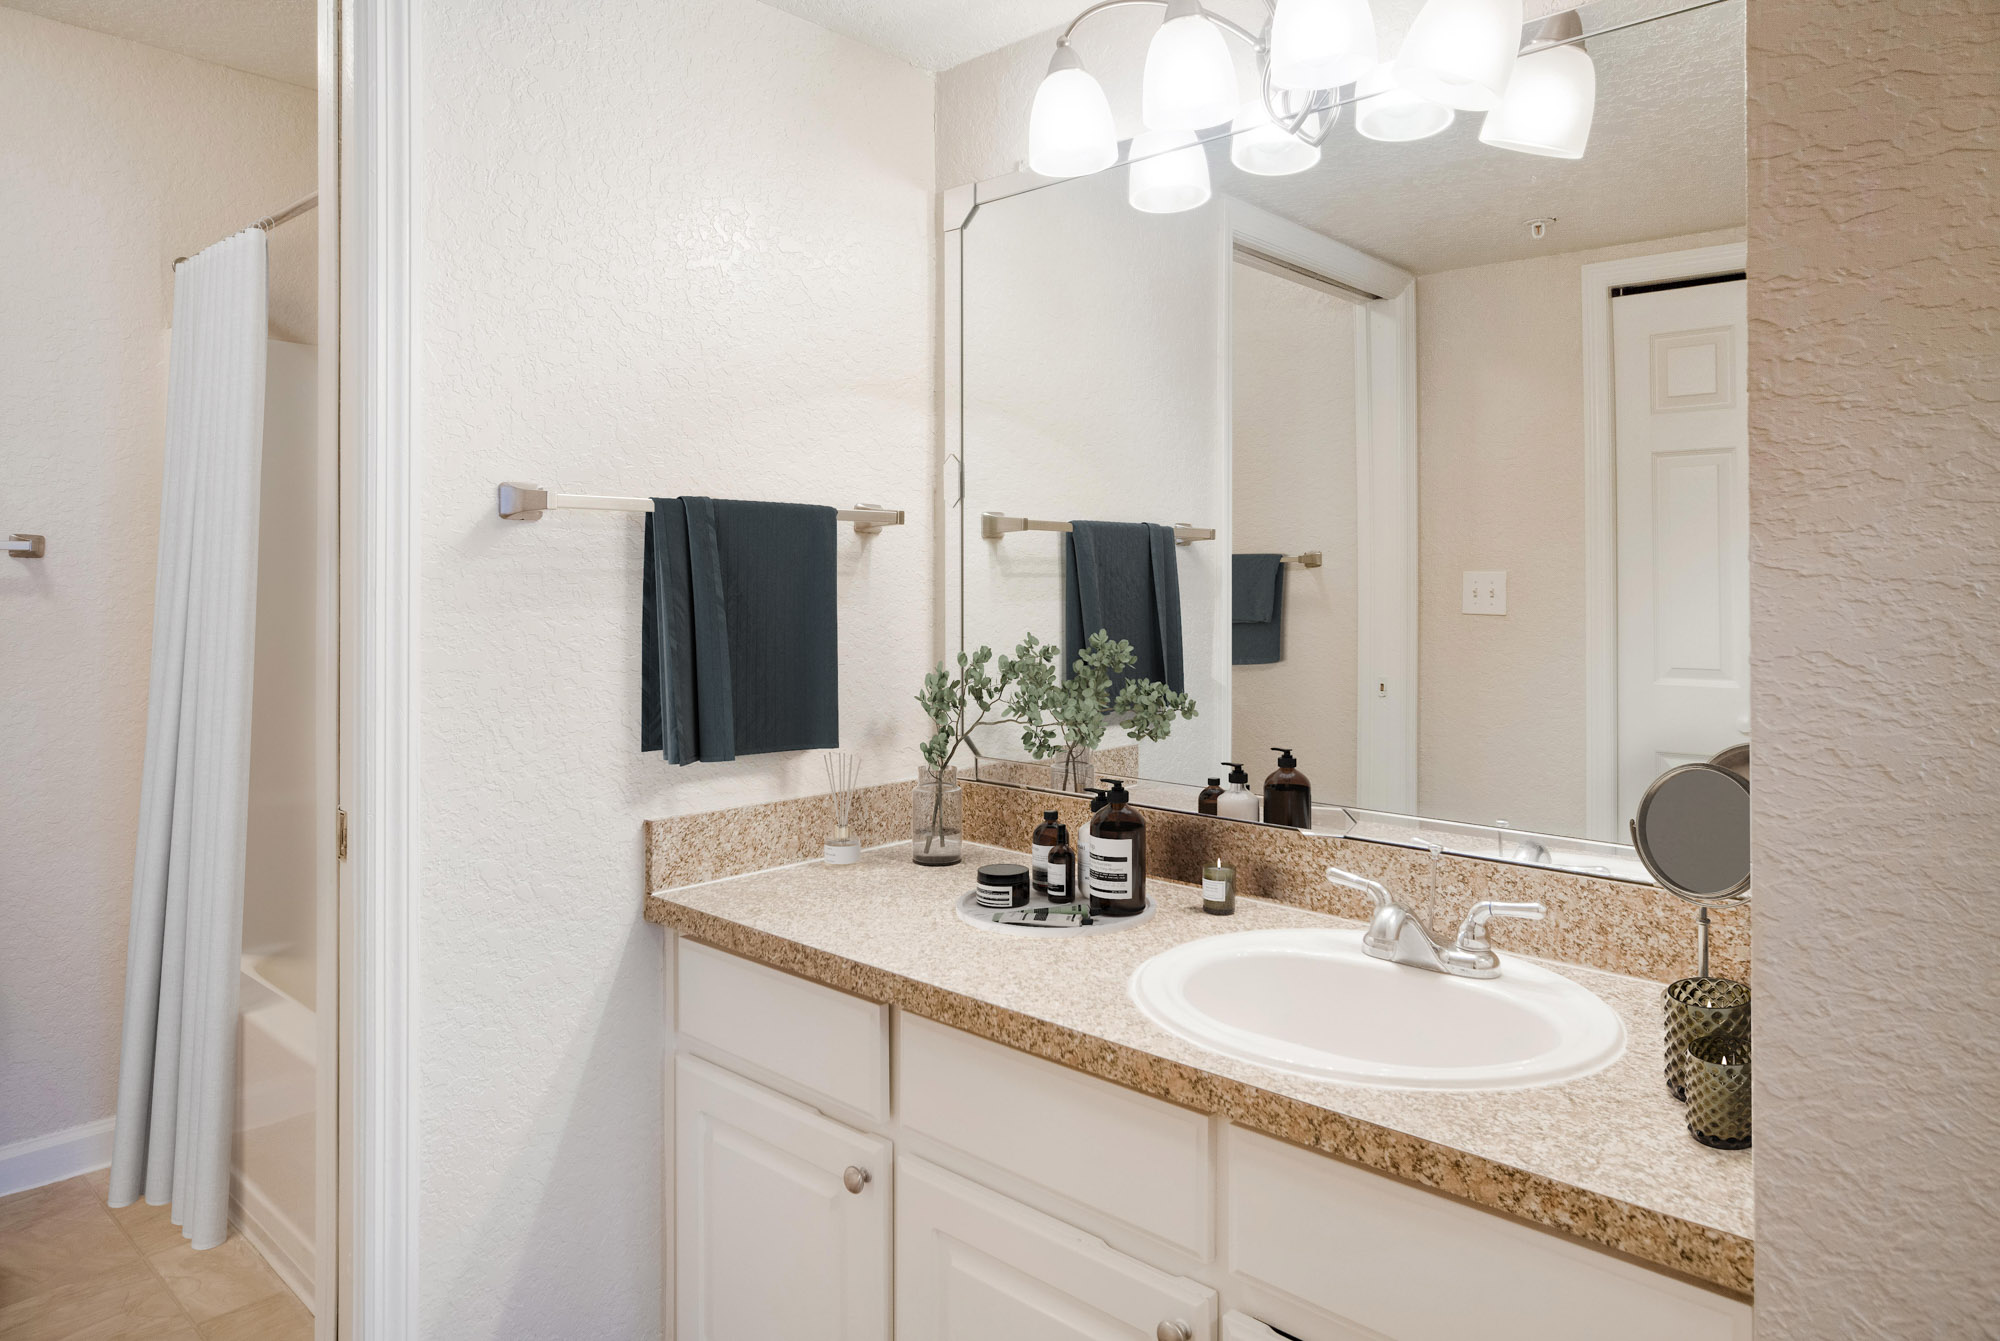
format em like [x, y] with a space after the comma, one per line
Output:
[843, 777]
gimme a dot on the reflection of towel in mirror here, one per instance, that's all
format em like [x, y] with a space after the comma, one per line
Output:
[1124, 578]
[1257, 609]
[740, 652]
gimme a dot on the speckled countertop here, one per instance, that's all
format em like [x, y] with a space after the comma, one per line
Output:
[1606, 1159]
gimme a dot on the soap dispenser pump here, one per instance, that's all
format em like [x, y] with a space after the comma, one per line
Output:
[1238, 801]
[1116, 879]
[1288, 793]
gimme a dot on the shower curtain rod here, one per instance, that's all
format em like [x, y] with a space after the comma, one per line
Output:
[285, 215]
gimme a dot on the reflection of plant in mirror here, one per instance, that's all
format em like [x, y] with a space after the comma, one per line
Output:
[1054, 714]
[1072, 715]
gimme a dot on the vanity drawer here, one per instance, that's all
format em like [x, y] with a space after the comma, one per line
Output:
[1139, 1160]
[829, 1044]
[1414, 1266]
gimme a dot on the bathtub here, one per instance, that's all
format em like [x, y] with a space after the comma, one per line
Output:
[272, 1169]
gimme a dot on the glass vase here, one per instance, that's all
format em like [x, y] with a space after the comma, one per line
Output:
[937, 817]
[1074, 770]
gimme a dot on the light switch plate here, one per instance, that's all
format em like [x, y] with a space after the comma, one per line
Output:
[1486, 593]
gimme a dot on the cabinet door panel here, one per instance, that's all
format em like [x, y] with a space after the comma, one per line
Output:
[1414, 1266]
[972, 1265]
[769, 1241]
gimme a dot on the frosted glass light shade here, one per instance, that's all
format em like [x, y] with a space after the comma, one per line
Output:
[1321, 43]
[1460, 53]
[1385, 110]
[1549, 104]
[1259, 146]
[1190, 79]
[1070, 130]
[1175, 178]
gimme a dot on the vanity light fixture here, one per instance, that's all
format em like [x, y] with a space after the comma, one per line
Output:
[1385, 110]
[1169, 172]
[1535, 82]
[1460, 53]
[1321, 43]
[1551, 97]
[1261, 147]
[1070, 130]
[1190, 80]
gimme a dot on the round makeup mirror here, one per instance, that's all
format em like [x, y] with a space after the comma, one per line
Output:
[1693, 833]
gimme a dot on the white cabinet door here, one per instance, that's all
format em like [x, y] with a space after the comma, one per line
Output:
[770, 1244]
[972, 1265]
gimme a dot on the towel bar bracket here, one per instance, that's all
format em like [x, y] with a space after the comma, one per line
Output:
[527, 502]
[24, 546]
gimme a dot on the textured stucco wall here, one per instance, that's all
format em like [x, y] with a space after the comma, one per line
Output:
[114, 159]
[1500, 720]
[1875, 514]
[669, 249]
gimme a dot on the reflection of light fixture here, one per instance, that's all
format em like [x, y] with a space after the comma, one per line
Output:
[1321, 43]
[1461, 52]
[1385, 110]
[1190, 79]
[1551, 97]
[1169, 172]
[1070, 130]
[1259, 146]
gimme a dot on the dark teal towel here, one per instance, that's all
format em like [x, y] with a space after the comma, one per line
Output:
[1257, 609]
[740, 653]
[1124, 578]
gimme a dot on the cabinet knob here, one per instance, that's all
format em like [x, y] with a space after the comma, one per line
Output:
[854, 1179]
[1174, 1330]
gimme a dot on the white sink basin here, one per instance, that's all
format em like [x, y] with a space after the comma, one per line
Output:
[1315, 1004]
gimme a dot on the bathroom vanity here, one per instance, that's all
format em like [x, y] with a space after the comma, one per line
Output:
[886, 1122]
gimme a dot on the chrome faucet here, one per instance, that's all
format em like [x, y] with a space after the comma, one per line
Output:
[1398, 935]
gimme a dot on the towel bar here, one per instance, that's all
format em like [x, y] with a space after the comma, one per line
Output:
[527, 502]
[1310, 559]
[992, 525]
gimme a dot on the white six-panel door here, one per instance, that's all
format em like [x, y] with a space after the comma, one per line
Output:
[770, 1241]
[1683, 529]
[972, 1265]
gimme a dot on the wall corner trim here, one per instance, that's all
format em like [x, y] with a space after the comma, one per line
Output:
[381, 208]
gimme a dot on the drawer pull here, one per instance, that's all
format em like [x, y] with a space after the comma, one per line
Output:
[854, 1178]
[1174, 1330]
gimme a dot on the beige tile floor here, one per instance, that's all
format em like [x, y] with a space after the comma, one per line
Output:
[71, 1269]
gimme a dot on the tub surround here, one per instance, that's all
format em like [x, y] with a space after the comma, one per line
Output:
[1605, 1159]
[1613, 925]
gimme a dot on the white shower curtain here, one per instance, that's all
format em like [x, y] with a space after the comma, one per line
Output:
[177, 1069]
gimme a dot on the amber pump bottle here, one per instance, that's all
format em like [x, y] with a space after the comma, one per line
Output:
[1059, 884]
[1116, 875]
[1043, 839]
[1205, 803]
[1288, 793]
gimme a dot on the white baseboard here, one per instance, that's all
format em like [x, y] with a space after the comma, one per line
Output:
[284, 1247]
[52, 1158]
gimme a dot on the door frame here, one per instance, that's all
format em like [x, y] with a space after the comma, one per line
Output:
[380, 232]
[1600, 509]
[1385, 468]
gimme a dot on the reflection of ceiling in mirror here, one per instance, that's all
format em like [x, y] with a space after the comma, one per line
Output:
[1666, 158]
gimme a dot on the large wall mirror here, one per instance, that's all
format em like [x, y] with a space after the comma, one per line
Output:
[1452, 437]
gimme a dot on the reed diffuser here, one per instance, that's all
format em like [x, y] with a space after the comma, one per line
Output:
[843, 774]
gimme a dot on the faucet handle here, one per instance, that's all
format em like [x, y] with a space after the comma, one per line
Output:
[1472, 931]
[1361, 884]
